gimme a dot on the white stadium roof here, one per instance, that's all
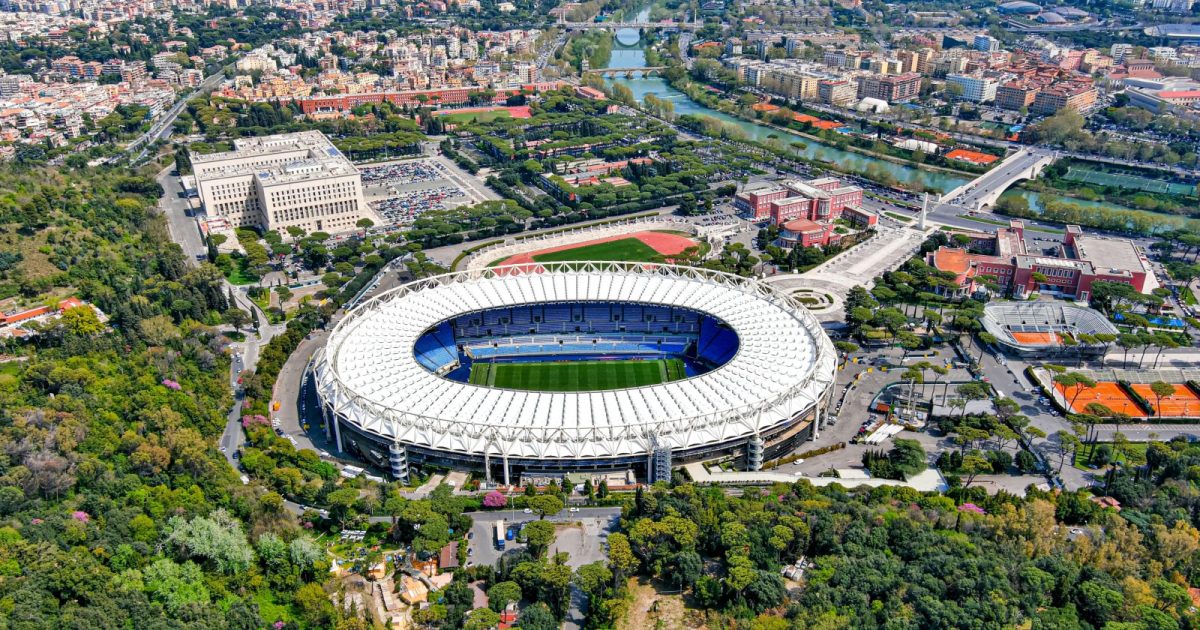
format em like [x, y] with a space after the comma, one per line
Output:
[369, 376]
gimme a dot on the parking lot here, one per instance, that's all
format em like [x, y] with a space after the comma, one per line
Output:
[584, 543]
[399, 192]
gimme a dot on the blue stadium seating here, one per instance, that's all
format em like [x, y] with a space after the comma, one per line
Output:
[435, 349]
[717, 343]
[580, 330]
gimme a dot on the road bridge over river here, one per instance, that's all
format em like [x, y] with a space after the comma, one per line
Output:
[591, 26]
[618, 72]
[981, 193]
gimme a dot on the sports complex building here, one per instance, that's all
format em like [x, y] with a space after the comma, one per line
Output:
[1047, 329]
[545, 368]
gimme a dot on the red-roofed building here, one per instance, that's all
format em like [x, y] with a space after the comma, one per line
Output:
[1081, 261]
[590, 93]
[1180, 97]
[508, 617]
[757, 202]
[448, 557]
[806, 233]
[804, 210]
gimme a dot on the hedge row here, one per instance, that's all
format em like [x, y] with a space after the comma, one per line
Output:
[1138, 399]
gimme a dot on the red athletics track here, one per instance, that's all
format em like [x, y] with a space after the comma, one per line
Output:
[661, 242]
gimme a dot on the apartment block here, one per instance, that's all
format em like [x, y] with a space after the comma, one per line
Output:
[975, 88]
[838, 92]
[1079, 96]
[1016, 94]
[890, 88]
[792, 85]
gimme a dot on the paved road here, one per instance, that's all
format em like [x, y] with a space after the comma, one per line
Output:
[1147, 432]
[889, 248]
[163, 127]
[245, 358]
[980, 140]
[584, 544]
[183, 228]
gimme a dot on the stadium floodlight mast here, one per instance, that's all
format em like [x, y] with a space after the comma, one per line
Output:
[371, 384]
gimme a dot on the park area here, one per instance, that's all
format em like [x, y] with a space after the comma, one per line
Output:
[482, 114]
[638, 247]
[577, 376]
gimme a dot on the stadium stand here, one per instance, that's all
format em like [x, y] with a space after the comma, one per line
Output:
[576, 331]
[435, 350]
[1038, 329]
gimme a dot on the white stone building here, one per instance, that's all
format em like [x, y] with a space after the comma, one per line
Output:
[276, 182]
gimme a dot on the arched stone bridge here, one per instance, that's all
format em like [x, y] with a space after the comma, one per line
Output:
[627, 72]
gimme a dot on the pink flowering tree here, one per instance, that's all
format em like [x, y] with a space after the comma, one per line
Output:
[170, 384]
[494, 499]
[254, 420]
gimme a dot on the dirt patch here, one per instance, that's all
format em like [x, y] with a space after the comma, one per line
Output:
[649, 609]
[34, 262]
[665, 243]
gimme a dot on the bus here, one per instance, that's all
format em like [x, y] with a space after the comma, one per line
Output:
[499, 534]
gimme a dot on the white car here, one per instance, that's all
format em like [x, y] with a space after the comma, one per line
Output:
[528, 511]
[574, 509]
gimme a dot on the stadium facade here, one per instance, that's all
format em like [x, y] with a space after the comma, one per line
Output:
[395, 383]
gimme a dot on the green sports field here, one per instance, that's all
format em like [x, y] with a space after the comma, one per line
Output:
[625, 249]
[576, 376]
[1128, 181]
[466, 117]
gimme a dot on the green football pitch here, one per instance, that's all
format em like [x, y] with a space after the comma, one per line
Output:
[482, 117]
[577, 376]
[625, 249]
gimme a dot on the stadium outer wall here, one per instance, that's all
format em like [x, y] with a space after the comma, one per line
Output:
[653, 461]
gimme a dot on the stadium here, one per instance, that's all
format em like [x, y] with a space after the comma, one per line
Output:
[564, 367]
[1047, 329]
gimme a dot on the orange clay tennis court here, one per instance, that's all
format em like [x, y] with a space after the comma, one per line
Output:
[1182, 404]
[1037, 338]
[1106, 393]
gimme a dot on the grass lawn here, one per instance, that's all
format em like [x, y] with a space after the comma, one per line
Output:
[238, 275]
[625, 249]
[270, 610]
[1188, 296]
[898, 217]
[573, 376]
[1136, 449]
[466, 117]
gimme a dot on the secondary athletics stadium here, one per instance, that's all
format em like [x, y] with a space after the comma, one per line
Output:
[575, 366]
